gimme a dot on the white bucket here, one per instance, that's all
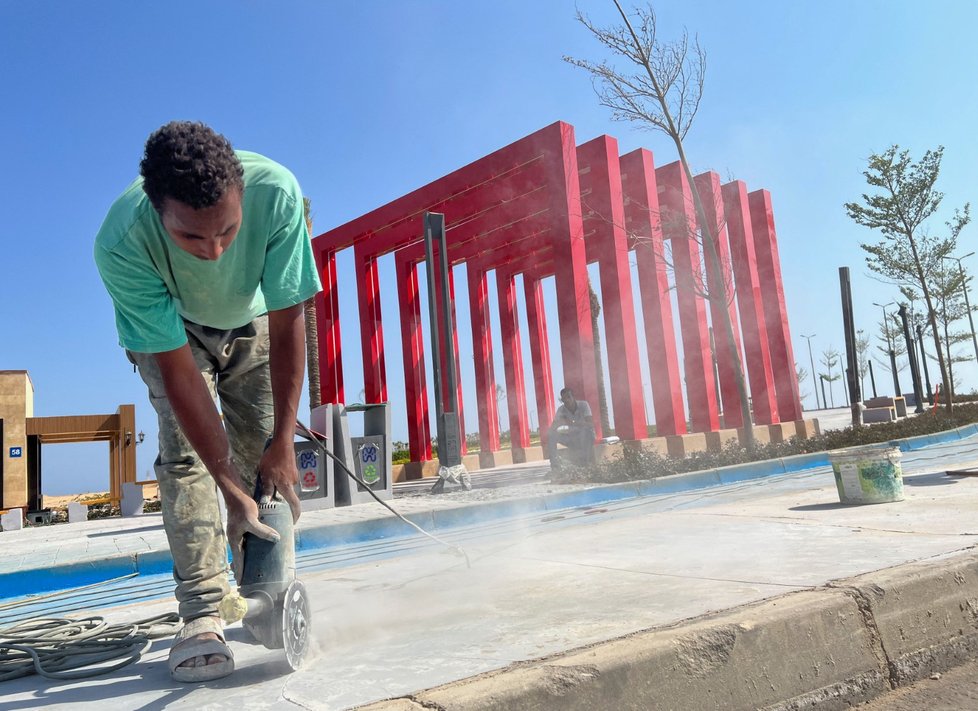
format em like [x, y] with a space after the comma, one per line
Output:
[868, 475]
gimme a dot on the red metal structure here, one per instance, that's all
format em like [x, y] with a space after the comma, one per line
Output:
[546, 207]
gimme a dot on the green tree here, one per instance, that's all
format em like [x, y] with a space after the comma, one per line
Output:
[802, 374]
[660, 89]
[890, 335]
[950, 308]
[830, 359]
[862, 358]
[908, 255]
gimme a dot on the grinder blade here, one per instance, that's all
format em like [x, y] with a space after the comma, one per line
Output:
[296, 624]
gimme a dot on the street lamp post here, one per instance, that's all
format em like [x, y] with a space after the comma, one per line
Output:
[812, 361]
[964, 288]
[889, 344]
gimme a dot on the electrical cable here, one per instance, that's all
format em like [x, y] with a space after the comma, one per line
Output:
[320, 440]
[64, 649]
[72, 649]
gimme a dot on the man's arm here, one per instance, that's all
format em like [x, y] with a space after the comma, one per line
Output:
[197, 415]
[287, 339]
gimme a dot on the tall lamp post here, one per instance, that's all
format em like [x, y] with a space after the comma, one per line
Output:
[812, 361]
[889, 344]
[964, 288]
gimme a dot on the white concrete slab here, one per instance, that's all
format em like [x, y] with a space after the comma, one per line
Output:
[392, 617]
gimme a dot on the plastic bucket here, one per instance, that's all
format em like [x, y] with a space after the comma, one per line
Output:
[868, 475]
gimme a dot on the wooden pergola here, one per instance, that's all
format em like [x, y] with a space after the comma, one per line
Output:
[118, 430]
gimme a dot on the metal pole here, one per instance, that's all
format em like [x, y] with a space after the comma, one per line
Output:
[872, 378]
[854, 394]
[822, 378]
[812, 361]
[912, 357]
[446, 404]
[923, 359]
[430, 225]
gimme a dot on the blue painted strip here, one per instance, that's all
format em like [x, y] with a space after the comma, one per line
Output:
[35, 581]
[60, 577]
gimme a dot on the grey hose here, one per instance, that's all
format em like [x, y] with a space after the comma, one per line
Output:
[319, 439]
[58, 648]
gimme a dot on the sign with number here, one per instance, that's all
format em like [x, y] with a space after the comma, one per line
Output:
[16, 452]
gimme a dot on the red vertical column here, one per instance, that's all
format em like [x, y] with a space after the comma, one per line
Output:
[750, 303]
[412, 346]
[721, 291]
[570, 269]
[775, 311]
[678, 222]
[454, 341]
[608, 244]
[509, 329]
[328, 327]
[543, 385]
[371, 327]
[645, 227]
[485, 378]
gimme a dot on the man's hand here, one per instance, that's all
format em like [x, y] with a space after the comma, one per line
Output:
[242, 519]
[279, 473]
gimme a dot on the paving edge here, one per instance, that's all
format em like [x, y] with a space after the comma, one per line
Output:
[829, 648]
[84, 572]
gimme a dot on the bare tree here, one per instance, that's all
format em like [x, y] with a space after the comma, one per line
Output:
[661, 90]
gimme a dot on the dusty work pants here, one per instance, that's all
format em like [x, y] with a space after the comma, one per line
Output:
[234, 364]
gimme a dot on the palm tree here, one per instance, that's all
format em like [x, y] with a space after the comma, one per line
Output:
[599, 365]
[312, 335]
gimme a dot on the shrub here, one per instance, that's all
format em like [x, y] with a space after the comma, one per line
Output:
[643, 464]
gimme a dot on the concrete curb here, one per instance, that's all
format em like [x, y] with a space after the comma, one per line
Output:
[828, 648]
[384, 526]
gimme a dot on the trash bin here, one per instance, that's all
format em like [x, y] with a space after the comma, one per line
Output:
[368, 456]
[315, 488]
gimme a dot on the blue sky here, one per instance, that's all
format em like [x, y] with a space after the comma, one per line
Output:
[365, 101]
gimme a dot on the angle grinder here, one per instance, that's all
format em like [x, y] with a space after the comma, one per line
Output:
[271, 603]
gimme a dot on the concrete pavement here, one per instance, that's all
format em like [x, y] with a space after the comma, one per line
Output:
[755, 593]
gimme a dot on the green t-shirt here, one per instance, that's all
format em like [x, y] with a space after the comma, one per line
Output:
[155, 285]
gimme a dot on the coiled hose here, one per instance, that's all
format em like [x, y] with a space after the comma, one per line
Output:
[58, 648]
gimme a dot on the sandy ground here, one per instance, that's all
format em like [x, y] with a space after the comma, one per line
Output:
[150, 493]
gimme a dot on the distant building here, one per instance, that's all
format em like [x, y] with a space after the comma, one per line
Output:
[22, 434]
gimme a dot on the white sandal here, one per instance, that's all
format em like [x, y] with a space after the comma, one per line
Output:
[200, 648]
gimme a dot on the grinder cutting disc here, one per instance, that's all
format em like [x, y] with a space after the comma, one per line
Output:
[296, 622]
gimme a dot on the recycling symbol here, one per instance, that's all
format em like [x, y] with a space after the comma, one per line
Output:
[310, 479]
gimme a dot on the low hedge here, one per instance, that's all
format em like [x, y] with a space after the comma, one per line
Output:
[644, 464]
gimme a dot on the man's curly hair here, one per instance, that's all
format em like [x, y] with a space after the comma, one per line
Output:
[191, 163]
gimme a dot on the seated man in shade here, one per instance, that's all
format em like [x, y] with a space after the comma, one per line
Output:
[573, 427]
